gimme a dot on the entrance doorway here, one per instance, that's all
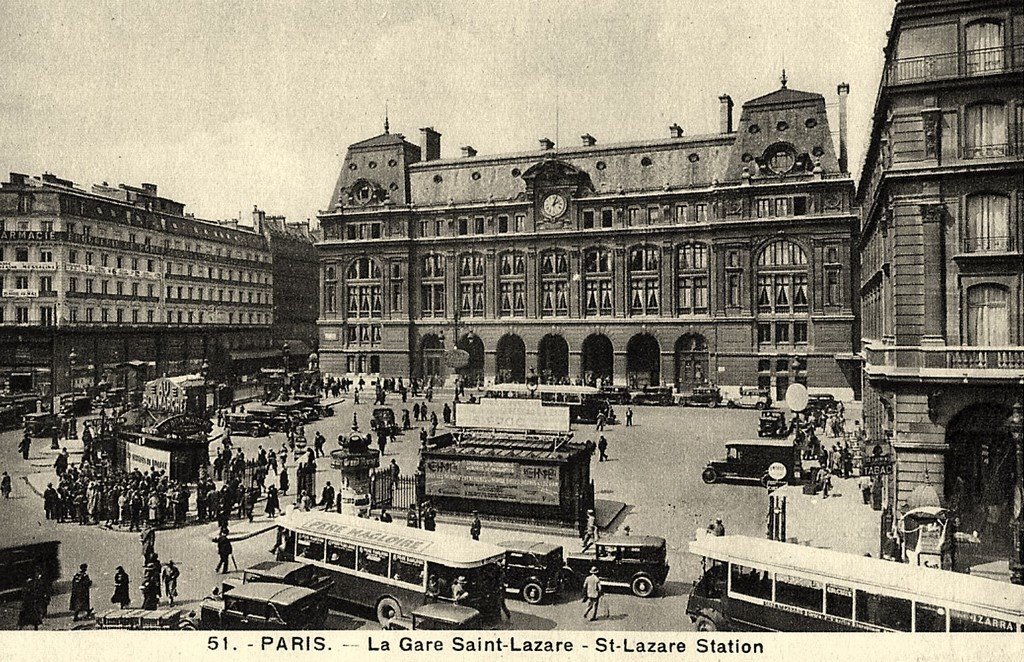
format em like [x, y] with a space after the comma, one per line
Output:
[431, 357]
[598, 360]
[691, 361]
[473, 372]
[643, 361]
[553, 359]
[510, 360]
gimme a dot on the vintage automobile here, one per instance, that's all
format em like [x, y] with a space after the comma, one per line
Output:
[40, 425]
[772, 423]
[653, 395]
[616, 395]
[264, 606]
[22, 556]
[438, 616]
[312, 403]
[246, 425]
[269, 416]
[823, 402]
[702, 396]
[751, 459]
[634, 562]
[11, 418]
[751, 398]
[287, 572]
[144, 619]
[383, 420]
[532, 569]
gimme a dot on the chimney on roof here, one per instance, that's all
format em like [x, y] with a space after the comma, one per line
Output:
[725, 114]
[546, 144]
[588, 140]
[258, 218]
[468, 151]
[675, 131]
[844, 92]
[430, 141]
[149, 188]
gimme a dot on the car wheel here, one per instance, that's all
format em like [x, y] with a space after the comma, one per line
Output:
[188, 626]
[642, 586]
[533, 593]
[730, 404]
[387, 609]
[712, 404]
[709, 475]
[706, 624]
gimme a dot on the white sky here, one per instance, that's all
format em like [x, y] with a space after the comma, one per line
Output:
[234, 103]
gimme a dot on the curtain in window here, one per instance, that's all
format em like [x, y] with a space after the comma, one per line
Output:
[984, 47]
[988, 222]
[988, 319]
[986, 130]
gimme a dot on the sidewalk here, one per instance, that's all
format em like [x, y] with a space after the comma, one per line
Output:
[841, 522]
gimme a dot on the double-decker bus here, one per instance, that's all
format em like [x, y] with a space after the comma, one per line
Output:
[585, 402]
[752, 584]
[389, 567]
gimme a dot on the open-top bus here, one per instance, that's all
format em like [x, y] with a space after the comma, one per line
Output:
[756, 584]
[389, 567]
[585, 402]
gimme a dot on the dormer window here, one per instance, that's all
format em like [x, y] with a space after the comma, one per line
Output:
[780, 158]
[363, 193]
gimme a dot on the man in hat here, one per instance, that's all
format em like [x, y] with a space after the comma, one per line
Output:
[81, 585]
[474, 528]
[718, 529]
[170, 577]
[121, 595]
[592, 592]
[459, 592]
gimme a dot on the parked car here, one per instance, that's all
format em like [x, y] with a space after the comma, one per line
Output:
[245, 424]
[291, 573]
[653, 395]
[384, 420]
[634, 562]
[772, 424]
[751, 398]
[313, 404]
[40, 425]
[702, 396]
[438, 616]
[532, 569]
[751, 459]
[823, 402]
[264, 606]
[269, 416]
[616, 395]
[11, 418]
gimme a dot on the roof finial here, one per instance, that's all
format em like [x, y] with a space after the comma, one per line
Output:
[387, 127]
[784, 79]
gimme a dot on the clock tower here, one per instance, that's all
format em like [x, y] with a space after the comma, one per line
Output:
[554, 186]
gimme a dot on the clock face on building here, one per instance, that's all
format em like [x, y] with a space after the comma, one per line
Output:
[554, 206]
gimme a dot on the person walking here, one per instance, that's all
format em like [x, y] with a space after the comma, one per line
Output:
[121, 596]
[25, 446]
[5, 485]
[273, 502]
[601, 419]
[718, 529]
[150, 589]
[30, 613]
[429, 517]
[283, 479]
[224, 550]
[629, 417]
[864, 483]
[590, 531]
[81, 586]
[170, 576]
[475, 527]
[602, 448]
[327, 496]
[592, 592]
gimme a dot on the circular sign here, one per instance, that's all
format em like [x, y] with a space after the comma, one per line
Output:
[457, 358]
[796, 397]
[776, 471]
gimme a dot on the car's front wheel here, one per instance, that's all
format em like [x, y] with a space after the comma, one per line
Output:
[533, 593]
[387, 609]
[709, 475]
[642, 586]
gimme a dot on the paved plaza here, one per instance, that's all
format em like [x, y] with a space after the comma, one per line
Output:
[654, 468]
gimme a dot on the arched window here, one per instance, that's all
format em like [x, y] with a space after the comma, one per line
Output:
[692, 279]
[988, 223]
[597, 273]
[984, 46]
[554, 284]
[988, 316]
[986, 130]
[782, 297]
[432, 290]
[471, 285]
[512, 284]
[363, 288]
[644, 281]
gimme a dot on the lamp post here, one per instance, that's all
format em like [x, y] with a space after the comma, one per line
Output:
[1016, 425]
[285, 356]
[204, 372]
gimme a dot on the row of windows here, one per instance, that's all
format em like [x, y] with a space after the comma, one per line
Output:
[981, 130]
[75, 315]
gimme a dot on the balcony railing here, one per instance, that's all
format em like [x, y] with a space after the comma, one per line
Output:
[990, 244]
[943, 362]
[986, 151]
[953, 65]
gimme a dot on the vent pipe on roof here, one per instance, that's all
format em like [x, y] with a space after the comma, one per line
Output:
[588, 140]
[676, 131]
[430, 143]
[844, 92]
[468, 151]
[725, 114]
[546, 143]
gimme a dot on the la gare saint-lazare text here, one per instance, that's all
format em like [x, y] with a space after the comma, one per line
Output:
[513, 644]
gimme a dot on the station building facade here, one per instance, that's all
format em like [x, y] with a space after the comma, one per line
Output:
[724, 258]
[942, 275]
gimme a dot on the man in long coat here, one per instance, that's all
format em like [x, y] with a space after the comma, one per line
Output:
[121, 596]
[81, 585]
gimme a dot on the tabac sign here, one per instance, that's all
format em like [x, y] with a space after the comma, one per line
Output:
[492, 480]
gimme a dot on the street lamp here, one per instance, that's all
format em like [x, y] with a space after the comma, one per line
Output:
[285, 355]
[1016, 425]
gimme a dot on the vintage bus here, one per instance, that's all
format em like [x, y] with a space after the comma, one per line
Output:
[585, 402]
[752, 584]
[388, 567]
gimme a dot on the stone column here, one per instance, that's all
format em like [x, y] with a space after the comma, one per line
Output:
[933, 218]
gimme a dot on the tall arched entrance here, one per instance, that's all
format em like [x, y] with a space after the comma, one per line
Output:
[980, 473]
[431, 357]
[510, 360]
[598, 360]
[691, 361]
[473, 372]
[553, 359]
[643, 361]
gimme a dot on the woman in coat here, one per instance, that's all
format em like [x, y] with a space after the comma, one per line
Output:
[273, 503]
[81, 584]
[121, 595]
